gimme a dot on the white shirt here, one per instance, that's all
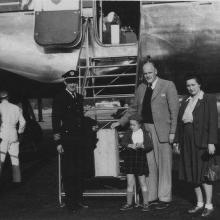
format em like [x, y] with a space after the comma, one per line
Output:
[137, 136]
[154, 83]
[188, 116]
[11, 116]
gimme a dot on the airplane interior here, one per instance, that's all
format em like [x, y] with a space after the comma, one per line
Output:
[126, 17]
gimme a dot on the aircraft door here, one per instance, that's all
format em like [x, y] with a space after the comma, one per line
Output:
[117, 22]
[58, 23]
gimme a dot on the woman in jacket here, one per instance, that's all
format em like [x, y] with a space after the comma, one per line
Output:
[195, 140]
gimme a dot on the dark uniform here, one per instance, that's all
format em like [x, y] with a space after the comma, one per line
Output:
[67, 122]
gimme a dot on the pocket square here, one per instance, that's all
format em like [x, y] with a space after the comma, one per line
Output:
[163, 95]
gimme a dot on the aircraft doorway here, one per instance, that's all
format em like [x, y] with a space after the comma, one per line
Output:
[117, 22]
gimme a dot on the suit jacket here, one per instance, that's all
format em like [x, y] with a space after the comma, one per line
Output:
[164, 105]
[205, 122]
[67, 115]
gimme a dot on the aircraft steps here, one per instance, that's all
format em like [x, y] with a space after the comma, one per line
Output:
[111, 96]
[109, 79]
[108, 66]
[109, 86]
[111, 75]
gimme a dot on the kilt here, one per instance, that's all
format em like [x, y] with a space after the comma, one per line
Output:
[135, 162]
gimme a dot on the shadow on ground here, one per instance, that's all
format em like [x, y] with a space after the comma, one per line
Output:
[37, 197]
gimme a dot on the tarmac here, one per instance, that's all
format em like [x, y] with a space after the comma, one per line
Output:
[37, 197]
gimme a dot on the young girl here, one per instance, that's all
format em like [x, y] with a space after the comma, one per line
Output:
[137, 143]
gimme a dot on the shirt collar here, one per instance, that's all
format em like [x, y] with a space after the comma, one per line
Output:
[199, 96]
[71, 93]
[154, 83]
[4, 101]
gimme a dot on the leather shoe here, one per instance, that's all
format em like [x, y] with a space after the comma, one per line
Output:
[126, 207]
[154, 202]
[83, 205]
[162, 205]
[207, 212]
[146, 208]
[195, 209]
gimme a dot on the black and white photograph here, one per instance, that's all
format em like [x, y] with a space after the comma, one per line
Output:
[109, 109]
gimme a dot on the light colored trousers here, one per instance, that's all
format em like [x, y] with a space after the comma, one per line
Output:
[12, 149]
[160, 168]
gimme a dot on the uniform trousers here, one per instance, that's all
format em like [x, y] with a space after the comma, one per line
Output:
[73, 171]
[160, 168]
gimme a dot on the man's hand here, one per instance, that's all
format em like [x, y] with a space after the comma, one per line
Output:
[60, 149]
[171, 138]
[176, 149]
[211, 148]
[115, 124]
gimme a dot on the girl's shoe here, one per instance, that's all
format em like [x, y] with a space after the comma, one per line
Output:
[126, 207]
[195, 209]
[207, 212]
[146, 208]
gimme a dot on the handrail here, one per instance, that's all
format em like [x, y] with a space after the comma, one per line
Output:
[110, 96]
[112, 75]
[108, 86]
[107, 66]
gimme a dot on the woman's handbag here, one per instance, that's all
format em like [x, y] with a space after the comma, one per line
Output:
[213, 172]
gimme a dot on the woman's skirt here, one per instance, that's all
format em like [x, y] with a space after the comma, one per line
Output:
[135, 162]
[194, 161]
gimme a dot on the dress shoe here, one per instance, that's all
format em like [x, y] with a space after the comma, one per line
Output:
[154, 202]
[162, 205]
[146, 208]
[195, 209]
[126, 207]
[83, 205]
[207, 212]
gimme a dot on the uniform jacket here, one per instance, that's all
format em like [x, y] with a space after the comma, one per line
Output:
[164, 105]
[12, 121]
[127, 139]
[67, 114]
[205, 122]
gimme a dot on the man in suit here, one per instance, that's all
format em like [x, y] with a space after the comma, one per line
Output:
[67, 122]
[156, 100]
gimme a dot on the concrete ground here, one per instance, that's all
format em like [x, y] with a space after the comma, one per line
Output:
[37, 197]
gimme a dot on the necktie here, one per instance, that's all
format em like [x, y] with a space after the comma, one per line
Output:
[149, 86]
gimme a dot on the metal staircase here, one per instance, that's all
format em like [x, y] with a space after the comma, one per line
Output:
[107, 80]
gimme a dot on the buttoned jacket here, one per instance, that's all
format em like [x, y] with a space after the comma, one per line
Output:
[205, 121]
[164, 105]
[67, 114]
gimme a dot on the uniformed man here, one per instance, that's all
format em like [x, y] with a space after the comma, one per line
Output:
[12, 125]
[67, 122]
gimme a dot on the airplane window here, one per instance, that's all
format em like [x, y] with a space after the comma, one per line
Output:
[118, 21]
